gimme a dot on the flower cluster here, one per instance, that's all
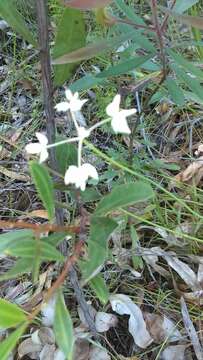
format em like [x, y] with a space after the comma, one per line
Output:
[79, 175]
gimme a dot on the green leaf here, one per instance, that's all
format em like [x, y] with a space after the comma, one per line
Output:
[86, 82]
[99, 287]
[9, 12]
[26, 249]
[124, 67]
[15, 236]
[182, 6]
[101, 229]
[44, 186]
[10, 342]
[192, 83]
[70, 36]
[66, 155]
[137, 260]
[124, 195]
[10, 314]
[176, 94]
[129, 12]
[21, 266]
[63, 328]
[194, 21]
[190, 67]
[54, 239]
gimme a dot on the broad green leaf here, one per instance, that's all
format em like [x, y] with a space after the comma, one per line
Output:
[124, 67]
[194, 21]
[66, 155]
[26, 249]
[21, 266]
[183, 5]
[99, 287]
[70, 36]
[10, 342]
[94, 49]
[8, 11]
[44, 186]
[191, 82]
[124, 195]
[63, 328]
[86, 82]
[101, 229]
[89, 195]
[15, 236]
[54, 239]
[87, 4]
[137, 260]
[190, 67]
[177, 95]
[10, 314]
[129, 12]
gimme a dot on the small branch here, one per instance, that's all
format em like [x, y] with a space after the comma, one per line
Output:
[38, 228]
[163, 26]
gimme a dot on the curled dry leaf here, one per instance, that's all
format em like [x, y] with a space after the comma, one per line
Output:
[97, 353]
[151, 258]
[123, 305]
[191, 175]
[161, 328]
[28, 347]
[190, 329]
[86, 4]
[104, 321]
[175, 352]
[82, 349]
[43, 336]
[47, 352]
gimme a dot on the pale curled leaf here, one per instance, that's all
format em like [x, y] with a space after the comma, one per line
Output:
[97, 353]
[27, 347]
[191, 175]
[190, 329]
[104, 321]
[161, 328]
[174, 352]
[123, 305]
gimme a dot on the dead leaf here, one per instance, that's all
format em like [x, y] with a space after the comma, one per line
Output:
[28, 347]
[123, 305]
[161, 328]
[86, 4]
[97, 353]
[191, 175]
[175, 352]
[82, 350]
[14, 175]
[151, 258]
[4, 153]
[104, 321]
[47, 352]
[190, 329]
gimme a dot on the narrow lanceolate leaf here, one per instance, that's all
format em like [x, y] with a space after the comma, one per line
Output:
[100, 289]
[12, 237]
[194, 21]
[181, 6]
[191, 82]
[9, 13]
[10, 342]
[177, 95]
[44, 186]
[26, 249]
[10, 314]
[21, 266]
[63, 328]
[188, 65]
[124, 195]
[86, 4]
[70, 36]
[100, 230]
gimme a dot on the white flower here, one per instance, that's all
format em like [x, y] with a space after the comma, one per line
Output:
[39, 147]
[48, 312]
[79, 175]
[73, 104]
[119, 122]
[83, 133]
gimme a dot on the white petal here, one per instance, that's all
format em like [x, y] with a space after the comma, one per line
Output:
[113, 107]
[120, 125]
[90, 171]
[43, 155]
[33, 148]
[126, 113]
[83, 133]
[63, 106]
[42, 138]
[76, 104]
[71, 175]
[70, 95]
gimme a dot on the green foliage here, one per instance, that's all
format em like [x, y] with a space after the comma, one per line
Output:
[21, 266]
[71, 35]
[100, 230]
[66, 155]
[8, 11]
[124, 195]
[11, 238]
[44, 186]
[100, 289]
[63, 328]
[10, 342]
[10, 314]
